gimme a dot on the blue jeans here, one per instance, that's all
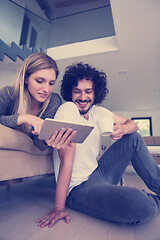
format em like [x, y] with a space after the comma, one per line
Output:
[100, 196]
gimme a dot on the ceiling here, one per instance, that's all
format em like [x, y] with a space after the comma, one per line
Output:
[67, 3]
[61, 8]
[133, 70]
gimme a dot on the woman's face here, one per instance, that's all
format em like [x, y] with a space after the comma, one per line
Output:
[40, 84]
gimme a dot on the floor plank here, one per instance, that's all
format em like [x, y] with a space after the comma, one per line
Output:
[83, 227]
[22, 203]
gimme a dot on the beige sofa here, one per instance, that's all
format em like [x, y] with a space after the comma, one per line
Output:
[19, 157]
[153, 144]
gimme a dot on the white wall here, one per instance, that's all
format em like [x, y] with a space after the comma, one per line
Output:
[8, 70]
[138, 37]
[154, 114]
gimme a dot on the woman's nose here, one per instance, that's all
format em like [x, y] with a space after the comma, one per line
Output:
[46, 87]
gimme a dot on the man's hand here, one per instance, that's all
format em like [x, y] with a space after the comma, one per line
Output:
[122, 126]
[118, 131]
[62, 138]
[52, 217]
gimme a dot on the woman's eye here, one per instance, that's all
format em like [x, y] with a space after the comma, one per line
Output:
[39, 81]
[51, 83]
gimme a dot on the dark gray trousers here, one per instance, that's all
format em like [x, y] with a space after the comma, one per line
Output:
[100, 196]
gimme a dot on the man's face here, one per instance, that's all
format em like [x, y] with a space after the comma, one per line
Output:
[83, 96]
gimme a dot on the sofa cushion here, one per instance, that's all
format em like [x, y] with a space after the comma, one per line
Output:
[154, 150]
[152, 140]
[18, 164]
[149, 140]
[12, 139]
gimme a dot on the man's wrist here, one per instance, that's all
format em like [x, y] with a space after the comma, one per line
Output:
[59, 208]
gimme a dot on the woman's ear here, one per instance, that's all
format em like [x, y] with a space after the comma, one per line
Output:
[26, 81]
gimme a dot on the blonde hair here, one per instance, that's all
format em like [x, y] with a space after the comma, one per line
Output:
[33, 63]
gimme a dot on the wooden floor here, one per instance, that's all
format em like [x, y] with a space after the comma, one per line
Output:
[22, 203]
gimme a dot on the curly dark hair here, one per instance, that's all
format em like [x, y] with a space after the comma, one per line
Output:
[79, 71]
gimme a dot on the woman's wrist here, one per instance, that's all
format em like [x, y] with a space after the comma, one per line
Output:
[20, 119]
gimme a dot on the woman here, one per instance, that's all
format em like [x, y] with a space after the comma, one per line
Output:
[25, 106]
[30, 100]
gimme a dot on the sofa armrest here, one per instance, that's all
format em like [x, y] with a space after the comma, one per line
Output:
[15, 140]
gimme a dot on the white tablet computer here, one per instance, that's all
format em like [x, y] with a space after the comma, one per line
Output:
[51, 125]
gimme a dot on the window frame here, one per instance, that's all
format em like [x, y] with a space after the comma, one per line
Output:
[150, 124]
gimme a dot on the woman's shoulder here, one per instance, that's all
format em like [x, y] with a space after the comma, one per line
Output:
[54, 103]
[55, 98]
[7, 92]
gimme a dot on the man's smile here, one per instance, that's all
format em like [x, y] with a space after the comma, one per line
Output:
[83, 103]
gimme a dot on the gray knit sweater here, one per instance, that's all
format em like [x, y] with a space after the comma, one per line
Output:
[9, 119]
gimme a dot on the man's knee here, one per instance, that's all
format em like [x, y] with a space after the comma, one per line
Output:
[135, 138]
[143, 206]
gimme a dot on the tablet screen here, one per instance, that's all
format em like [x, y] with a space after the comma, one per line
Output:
[51, 125]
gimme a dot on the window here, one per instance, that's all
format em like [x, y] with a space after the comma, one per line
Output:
[29, 33]
[25, 29]
[144, 125]
[33, 38]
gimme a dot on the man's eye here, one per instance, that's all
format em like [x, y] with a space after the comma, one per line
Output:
[89, 92]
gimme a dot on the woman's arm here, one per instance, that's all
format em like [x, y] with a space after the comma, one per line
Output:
[7, 118]
[50, 111]
[67, 157]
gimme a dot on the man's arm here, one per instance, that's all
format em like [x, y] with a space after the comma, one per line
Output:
[67, 157]
[122, 126]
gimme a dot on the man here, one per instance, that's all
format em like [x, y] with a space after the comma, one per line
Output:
[93, 186]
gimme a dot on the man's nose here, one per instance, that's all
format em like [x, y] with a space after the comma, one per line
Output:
[83, 96]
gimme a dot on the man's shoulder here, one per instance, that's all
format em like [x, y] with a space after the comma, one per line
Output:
[68, 111]
[68, 106]
[100, 110]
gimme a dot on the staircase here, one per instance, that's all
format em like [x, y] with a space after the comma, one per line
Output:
[13, 51]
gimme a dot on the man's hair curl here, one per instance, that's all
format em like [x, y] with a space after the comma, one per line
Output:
[79, 71]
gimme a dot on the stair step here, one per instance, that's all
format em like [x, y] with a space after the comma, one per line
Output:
[13, 51]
